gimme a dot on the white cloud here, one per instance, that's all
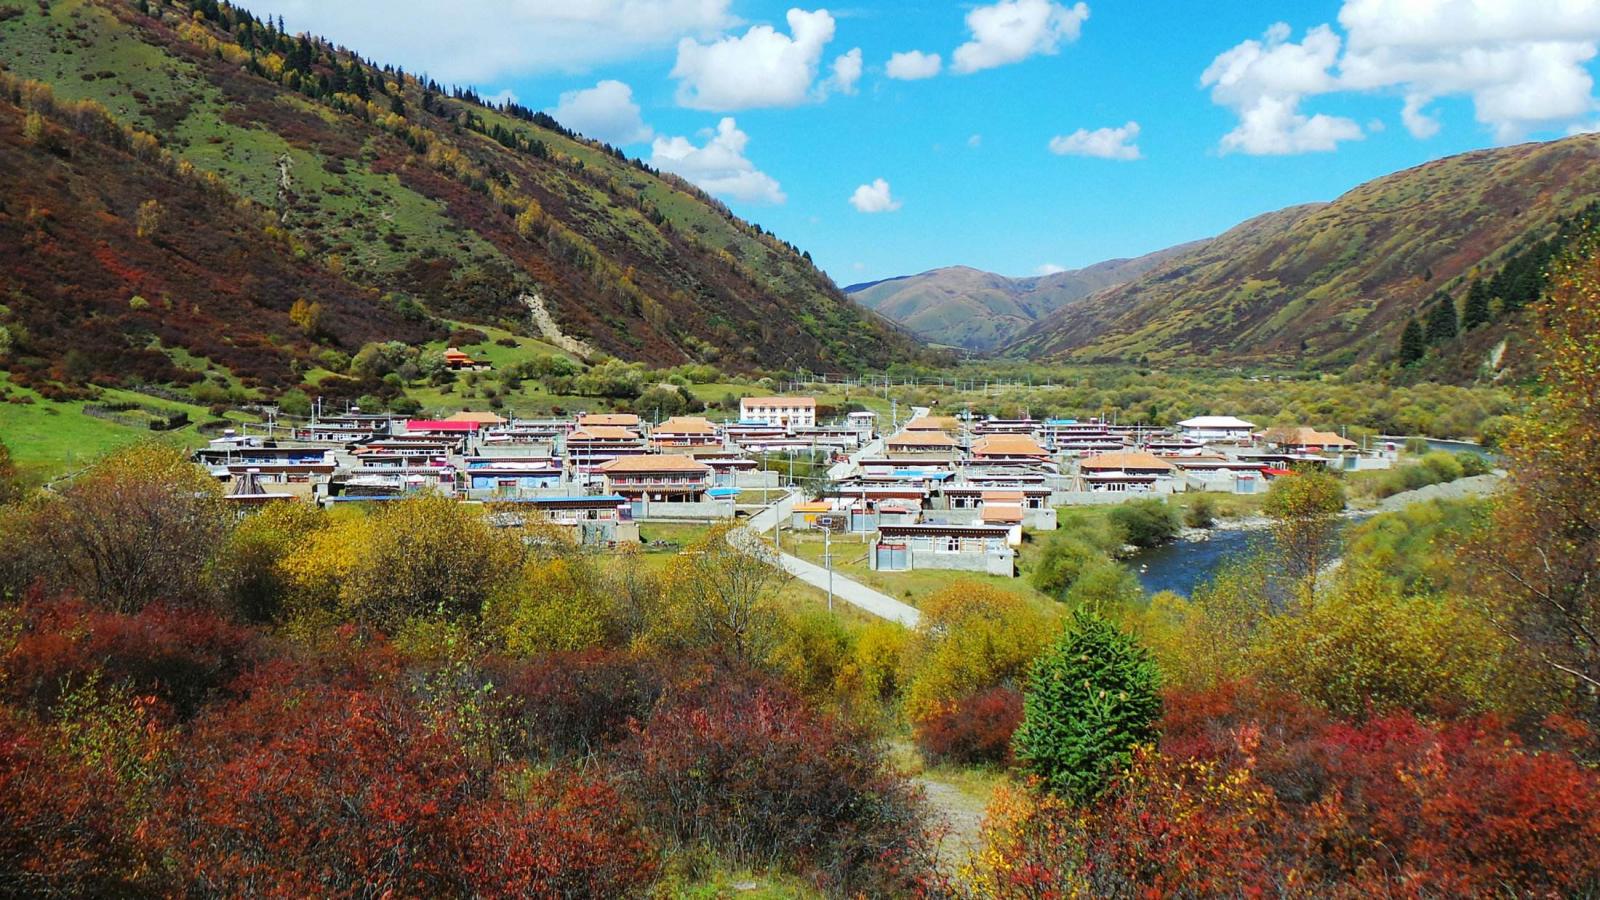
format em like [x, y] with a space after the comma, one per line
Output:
[1524, 65]
[605, 112]
[763, 67]
[1104, 143]
[1013, 30]
[505, 96]
[975, 141]
[1049, 269]
[846, 72]
[874, 198]
[1264, 82]
[477, 41]
[720, 166]
[912, 65]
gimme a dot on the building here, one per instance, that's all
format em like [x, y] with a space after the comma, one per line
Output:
[685, 431]
[1004, 446]
[599, 521]
[480, 417]
[656, 478]
[1308, 440]
[968, 548]
[922, 443]
[1216, 428]
[1133, 471]
[784, 412]
[455, 359]
[946, 424]
[503, 477]
[608, 420]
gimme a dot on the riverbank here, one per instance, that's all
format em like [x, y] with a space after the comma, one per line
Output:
[1195, 556]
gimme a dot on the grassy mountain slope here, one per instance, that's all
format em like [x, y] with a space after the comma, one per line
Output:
[964, 307]
[308, 172]
[1333, 284]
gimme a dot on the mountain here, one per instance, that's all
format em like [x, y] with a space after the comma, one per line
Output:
[1333, 284]
[177, 175]
[963, 307]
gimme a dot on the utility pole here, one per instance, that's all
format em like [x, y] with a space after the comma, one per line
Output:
[827, 559]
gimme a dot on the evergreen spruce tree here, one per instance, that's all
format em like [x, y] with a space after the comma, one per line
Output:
[1442, 320]
[1091, 698]
[1412, 344]
[1477, 310]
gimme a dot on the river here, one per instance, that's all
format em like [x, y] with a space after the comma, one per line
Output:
[1181, 566]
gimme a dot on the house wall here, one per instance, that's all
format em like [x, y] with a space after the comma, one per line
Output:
[699, 511]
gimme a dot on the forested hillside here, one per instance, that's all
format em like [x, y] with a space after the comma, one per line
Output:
[1336, 284]
[256, 169]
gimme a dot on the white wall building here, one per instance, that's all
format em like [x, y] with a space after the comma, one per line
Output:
[1216, 428]
[784, 412]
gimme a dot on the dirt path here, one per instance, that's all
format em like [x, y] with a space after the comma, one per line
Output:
[959, 812]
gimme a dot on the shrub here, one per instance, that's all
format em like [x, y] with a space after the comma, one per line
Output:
[1063, 560]
[140, 525]
[183, 658]
[1202, 512]
[321, 790]
[1146, 523]
[971, 637]
[575, 704]
[1090, 700]
[974, 729]
[742, 767]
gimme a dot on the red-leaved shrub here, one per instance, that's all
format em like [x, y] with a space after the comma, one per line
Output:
[330, 792]
[182, 657]
[742, 766]
[974, 729]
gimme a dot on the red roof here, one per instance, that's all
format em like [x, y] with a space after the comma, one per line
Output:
[440, 425]
[1275, 473]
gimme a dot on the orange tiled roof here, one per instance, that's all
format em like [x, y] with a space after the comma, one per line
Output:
[1125, 459]
[654, 463]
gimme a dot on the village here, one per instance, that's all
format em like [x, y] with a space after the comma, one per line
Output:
[950, 492]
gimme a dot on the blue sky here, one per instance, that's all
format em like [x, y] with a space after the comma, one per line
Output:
[1235, 114]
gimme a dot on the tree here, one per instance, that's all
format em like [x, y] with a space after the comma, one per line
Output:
[421, 557]
[719, 597]
[1091, 699]
[1413, 346]
[309, 317]
[141, 525]
[1304, 509]
[1477, 310]
[1538, 561]
[1442, 323]
[147, 221]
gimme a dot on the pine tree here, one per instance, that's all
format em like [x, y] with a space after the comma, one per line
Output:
[1091, 699]
[1412, 344]
[1476, 311]
[1442, 322]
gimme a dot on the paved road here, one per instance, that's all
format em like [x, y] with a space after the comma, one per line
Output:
[851, 592]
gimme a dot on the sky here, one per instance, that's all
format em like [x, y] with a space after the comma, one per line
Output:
[1019, 136]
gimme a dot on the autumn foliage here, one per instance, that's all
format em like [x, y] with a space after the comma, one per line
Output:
[1257, 793]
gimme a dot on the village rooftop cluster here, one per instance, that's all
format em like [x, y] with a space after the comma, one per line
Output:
[951, 492]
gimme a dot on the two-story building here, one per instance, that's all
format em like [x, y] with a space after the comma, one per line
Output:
[783, 412]
[656, 478]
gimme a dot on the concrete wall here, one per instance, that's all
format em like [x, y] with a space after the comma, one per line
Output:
[705, 511]
[1104, 498]
[1003, 564]
[757, 479]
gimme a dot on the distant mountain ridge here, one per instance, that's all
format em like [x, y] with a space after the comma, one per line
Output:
[963, 307]
[1333, 284]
